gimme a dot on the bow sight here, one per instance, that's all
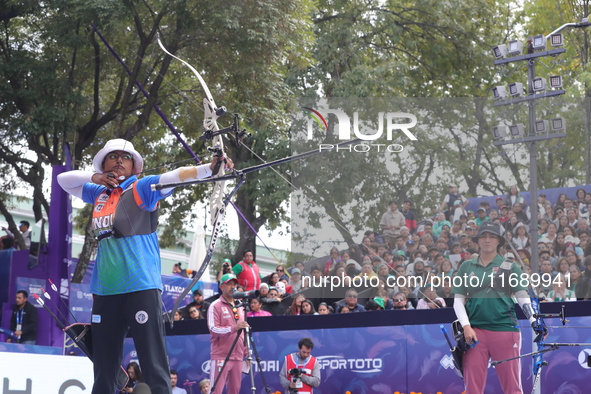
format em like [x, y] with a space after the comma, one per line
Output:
[234, 129]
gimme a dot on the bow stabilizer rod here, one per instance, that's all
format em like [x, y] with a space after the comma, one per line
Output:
[238, 173]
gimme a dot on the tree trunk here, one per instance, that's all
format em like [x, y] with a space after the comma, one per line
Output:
[86, 254]
[19, 240]
[247, 236]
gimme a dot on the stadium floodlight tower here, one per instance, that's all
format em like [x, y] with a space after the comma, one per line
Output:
[537, 130]
[535, 89]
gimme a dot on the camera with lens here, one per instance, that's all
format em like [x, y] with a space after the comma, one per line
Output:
[296, 373]
[246, 294]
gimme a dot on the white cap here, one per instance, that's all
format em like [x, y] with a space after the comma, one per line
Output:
[570, 238]
[122, 145]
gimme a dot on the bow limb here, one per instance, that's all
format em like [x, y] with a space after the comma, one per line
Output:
[203, 84]
[217, 225]
[210, 115]
[217, 203]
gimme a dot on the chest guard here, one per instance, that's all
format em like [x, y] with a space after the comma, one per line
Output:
[119, 214]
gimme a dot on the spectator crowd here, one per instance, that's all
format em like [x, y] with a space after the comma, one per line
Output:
[429, 251]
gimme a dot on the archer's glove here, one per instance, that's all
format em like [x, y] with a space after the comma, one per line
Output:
[539, 330]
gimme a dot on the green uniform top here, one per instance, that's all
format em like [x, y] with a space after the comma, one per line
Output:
[488, 309]
[480, 221]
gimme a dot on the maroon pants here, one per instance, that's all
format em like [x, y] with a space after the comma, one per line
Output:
[495, 345]
[231, 376]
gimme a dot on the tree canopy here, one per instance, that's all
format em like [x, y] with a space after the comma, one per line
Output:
[59, 84]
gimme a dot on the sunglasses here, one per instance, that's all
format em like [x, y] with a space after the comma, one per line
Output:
[123, 156]
[279, 270]
[398, 299]
[193, 311]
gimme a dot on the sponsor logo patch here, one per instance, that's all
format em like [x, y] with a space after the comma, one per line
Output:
[103, 198]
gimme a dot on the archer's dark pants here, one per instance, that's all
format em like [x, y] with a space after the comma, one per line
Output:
[141, 311]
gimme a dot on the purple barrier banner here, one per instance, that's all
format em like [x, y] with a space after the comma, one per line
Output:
[174, 285]
[81, 298]
[551, 195]
[32, 349]
[32, 286]
[401, 359]
[80, 302]
[5, 262]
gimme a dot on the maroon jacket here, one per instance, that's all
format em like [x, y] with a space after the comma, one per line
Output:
[222, 327]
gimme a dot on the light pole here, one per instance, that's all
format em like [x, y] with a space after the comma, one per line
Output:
[533, 136]
[536, 43]
[538, 130]
[581, 25]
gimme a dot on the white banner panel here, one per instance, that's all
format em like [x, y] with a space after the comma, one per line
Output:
[25, 373]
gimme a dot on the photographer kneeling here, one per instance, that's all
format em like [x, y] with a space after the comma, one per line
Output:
[300, 372]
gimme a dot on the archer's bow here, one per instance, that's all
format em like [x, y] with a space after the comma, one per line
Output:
[540, 329]
[217, 203]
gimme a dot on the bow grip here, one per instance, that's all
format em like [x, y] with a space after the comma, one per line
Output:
[216, 168]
